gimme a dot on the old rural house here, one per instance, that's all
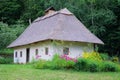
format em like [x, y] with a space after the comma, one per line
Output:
[58, 32]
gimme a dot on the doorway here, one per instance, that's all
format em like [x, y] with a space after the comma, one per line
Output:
[27, 54]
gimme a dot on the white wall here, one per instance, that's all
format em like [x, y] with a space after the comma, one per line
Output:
[76, 50]
[19, 59]
[41, 52]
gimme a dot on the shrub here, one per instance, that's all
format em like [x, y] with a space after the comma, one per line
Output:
[61, 63]
[87, 65]
[5, 60]
[92, 55]
[69, 64]
[115, 59]
[56, 63]
[104, 56]
[40, 64]
[110, 67]
[81, 64]
[93, 66]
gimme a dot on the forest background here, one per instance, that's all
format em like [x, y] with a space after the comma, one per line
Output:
[101, 17]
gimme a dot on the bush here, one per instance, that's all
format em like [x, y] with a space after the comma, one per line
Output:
[81, 64]
[60, 63]
[86, 65]
[115, 59]
[70, 64]
[5, 60]
[56, 63]
[104, 56]
[40, 64]
[92, 55]
[93, 66]
[110, 67]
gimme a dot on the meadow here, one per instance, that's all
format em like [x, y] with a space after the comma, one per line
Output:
[27, 72]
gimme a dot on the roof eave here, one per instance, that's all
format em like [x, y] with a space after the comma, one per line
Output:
[101, 43]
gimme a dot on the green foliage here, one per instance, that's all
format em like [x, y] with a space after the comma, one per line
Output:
[6, 51]
[33, 9]
[93, 66]
[92, 55]
[110, 67]
[87, 65]
[6, 60]
[56, 63]
[10, 11]
[6, 35]
[104, 56]
[96, 66]
[9, 33]
[115, 59]
[59, 63]
[81, 64]
[70, 64]
[41, 64]
[103, 20]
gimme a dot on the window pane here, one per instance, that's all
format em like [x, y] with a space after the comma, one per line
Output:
[36, 51]
[20, 53]
[46, 51]
[15, 54]
[66, 51]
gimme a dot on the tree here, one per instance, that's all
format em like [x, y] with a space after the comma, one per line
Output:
[7, 34]
[33, 9]
[102, 17]
[10, 11]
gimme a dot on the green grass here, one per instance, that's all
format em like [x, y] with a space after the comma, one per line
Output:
[27, 72]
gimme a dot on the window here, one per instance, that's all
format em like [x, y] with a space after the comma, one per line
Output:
[66, 51]
[15, 54]
[20, 53]
[36, 52]
[46, 51]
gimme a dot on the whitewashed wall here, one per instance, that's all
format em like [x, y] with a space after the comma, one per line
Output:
[32, 55]
[19, 59]
[41, 51]
[76, 50]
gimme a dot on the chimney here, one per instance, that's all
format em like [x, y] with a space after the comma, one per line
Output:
[49, 10]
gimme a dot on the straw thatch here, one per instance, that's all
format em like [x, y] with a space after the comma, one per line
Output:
[59, 25]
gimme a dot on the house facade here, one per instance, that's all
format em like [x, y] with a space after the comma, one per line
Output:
[58, 32]
[47, 49]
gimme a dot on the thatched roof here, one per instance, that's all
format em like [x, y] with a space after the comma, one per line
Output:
[59, 25]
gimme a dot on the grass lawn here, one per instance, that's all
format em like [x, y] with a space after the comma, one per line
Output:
[26, 72]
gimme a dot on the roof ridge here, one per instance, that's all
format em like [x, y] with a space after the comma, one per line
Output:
[62, 11]
[44, 17]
